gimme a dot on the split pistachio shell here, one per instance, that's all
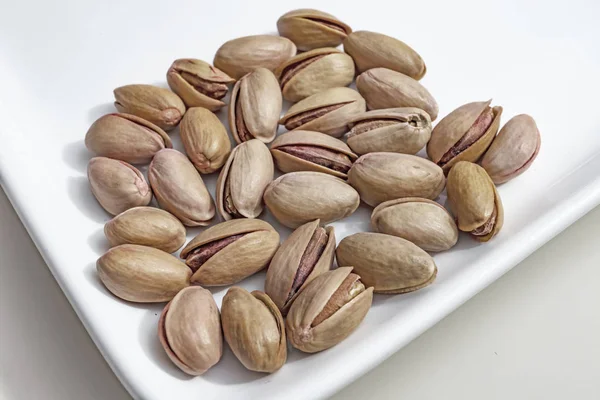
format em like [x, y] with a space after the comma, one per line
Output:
[142, 274]
[312, 151]
[179, 188]
[385, 88]
[398, 130]
[198, 83]
[513, 150]
[117, 185]
[380, 177]
[255, 107]
[328, 310]
[388, 263]
[299, 197]
[189, 330]
[243, 180]
[311, 29]
[158, 105]
[254, 329]
[239, 56]
[205, 140]
[421, 221]
[230, 251]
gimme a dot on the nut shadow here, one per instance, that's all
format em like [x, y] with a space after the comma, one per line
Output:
[98, 242]
[101, 109]
[76, 155]
[79, 192]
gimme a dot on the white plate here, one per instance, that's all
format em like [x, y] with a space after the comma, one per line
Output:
[60, 61]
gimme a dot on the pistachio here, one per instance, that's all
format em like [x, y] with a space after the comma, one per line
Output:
[198, 83]
[398, 130]
[154, 104]
[243, 179]
[312, 151]
[299, 197]
[380, 177]
[179, 188]
[255, 107]
[254, 329]
[205, 140]
[142, 274]
[117, 185]
[230, 251]
[513, 150]
[189, 330]
[311, 29]
[388, 263]
[421, 221]
[328, 111]
[328, 310]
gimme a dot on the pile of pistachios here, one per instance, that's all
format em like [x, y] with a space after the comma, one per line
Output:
[335, 154]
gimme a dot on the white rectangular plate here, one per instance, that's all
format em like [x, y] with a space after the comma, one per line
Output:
[59, 62]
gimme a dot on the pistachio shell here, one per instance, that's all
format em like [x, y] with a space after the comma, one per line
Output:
[310, 29]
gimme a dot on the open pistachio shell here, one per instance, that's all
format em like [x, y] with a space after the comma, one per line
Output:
[311, 29]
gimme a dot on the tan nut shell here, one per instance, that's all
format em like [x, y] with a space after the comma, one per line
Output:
[303, 27]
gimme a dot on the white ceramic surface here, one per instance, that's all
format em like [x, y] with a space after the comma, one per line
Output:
[60, 61]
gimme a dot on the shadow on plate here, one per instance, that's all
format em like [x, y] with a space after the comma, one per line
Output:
[77, 156]
[100, 110]
[98, 242]
[79, 192]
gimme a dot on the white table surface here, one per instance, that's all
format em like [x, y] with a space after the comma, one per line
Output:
[533, 334]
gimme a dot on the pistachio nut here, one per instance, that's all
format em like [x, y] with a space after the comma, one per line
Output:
[385, 88]
[205, 140]
[328, 310]
[312, 151]
[304, 255]
[373, 50]
[230, 251]
[398, 130]
[474, 201]
[513, 150]
[464, 134]
[179, 188]
[254, 329]
[117, 185]
[311, 29]
[189, 329]
[243, 179]
[328, 111]
[314, 71]
[155, 104]
[388, 263]
[142, 274]
[255, 106]
[147, 226]
[239, 56]
[380, 177]
[198, 83]
[421, 221]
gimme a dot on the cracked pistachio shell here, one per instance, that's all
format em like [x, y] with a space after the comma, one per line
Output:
[179, 188]
[126, 137]
[205, 140]
[142, 274]
[385, 88]
[254, 329]
[420, 221]
[314, 71]
[155, 104]
[239, 56]
[305, 330]
[311, 29]
[241, 258]
[380, 177]
[117, 185]
[285, 264]
[255, 106]
[189, 329]
[243, 180]
[198, 83]
[299, 197]
[398, 130]
[388, 263]
[513, 150]
[287, 162]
